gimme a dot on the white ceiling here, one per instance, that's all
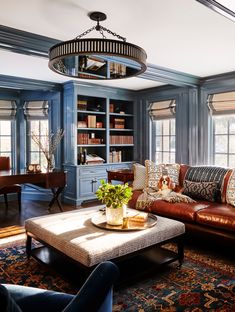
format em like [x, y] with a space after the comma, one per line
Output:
[182, 35]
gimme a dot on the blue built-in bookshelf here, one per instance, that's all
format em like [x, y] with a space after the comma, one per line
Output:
[100, 135]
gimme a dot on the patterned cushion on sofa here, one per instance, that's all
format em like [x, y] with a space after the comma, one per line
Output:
[139, 177]
[210, 174]
[230, 193]
[154, 172]
[201, 190]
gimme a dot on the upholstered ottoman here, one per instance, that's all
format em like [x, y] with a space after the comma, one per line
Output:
[74, 235]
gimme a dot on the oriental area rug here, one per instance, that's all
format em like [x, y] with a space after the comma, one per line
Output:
[205, 282]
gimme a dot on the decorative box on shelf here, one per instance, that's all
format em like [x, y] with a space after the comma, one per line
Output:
[99, 124]
[82, 105]
[94, 141]
[119, 123]
[82, 124]
[111, 108]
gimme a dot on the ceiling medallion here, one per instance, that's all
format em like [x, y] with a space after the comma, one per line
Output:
[97, 58]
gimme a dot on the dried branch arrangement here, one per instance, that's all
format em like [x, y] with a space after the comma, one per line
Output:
[48, 144]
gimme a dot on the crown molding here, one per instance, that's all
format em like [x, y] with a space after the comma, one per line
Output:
[219, 8]
[24, 42]
[11, 82]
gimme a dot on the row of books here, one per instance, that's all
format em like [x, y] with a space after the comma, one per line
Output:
[115, 156]
[121, 139]
[82, 104]
[91, 121]
[84, 138]
[84, 124]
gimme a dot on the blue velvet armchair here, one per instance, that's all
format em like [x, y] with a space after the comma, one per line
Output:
[94, 296]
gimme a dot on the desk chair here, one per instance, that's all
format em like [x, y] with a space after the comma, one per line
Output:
[15, 188]
[94, 296]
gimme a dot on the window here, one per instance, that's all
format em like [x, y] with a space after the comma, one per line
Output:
[162, 114]
[35, 155]
[224, 140]
[6, 138]
[36, 113]
[222, 107]
[7, 133]
[164, 141]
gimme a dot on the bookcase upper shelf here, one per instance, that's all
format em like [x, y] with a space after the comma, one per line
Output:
[105, 127]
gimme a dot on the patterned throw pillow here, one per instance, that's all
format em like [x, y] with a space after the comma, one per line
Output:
[230, 192]
[201, 190]
[155, 172]
[139, 177]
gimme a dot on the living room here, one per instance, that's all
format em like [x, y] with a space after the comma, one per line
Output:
[180, 110]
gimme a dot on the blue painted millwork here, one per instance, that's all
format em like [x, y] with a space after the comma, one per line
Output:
[210, 85]
[83, 180]
[169, 76]
[27, 84]
[185, 124]
[24, 42]
[193, 125]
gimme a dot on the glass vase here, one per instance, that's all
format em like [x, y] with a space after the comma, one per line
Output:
[50, 163]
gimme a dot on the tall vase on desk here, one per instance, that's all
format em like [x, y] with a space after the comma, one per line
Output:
[50, 163]
[48, 146]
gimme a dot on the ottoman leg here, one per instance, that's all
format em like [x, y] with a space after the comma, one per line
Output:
[28, 246]
[180, 246]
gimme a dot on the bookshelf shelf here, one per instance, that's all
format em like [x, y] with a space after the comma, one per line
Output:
[90, 112]
[121, 115]
[91, 145]
[113, 145]
[93, 129]
[121, 130]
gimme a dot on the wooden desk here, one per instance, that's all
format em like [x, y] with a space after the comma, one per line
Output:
[56, 181]
[123, 175]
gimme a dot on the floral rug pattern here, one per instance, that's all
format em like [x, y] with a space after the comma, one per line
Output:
[205, 282]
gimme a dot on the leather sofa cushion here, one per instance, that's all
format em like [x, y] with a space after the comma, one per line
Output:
[183, 170]
[135, 195]
[220, 216]
[180, 211]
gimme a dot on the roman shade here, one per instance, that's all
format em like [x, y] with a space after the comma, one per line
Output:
[7, 110]
[36, 109]
[222, 103]
[162, 109]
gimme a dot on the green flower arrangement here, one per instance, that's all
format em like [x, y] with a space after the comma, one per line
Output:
[114, 195]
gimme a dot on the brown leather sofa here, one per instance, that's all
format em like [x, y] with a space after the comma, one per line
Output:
[203, 219]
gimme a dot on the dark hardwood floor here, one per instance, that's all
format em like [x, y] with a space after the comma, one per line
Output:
[30, 209]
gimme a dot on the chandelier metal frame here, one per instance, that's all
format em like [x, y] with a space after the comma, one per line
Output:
[97, 58]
